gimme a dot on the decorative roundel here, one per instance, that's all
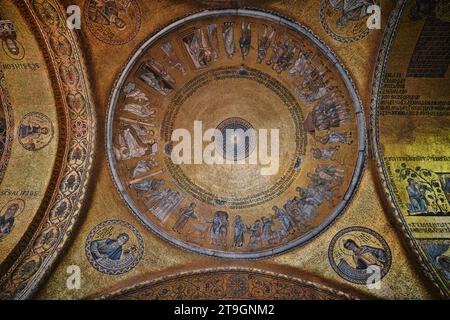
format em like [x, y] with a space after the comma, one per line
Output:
[35, 131]
[346, 21]
[235, 133]
[354, 250]
[113, 22]
[114, 247]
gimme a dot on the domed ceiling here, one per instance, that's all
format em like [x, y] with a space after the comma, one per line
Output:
[231, 71]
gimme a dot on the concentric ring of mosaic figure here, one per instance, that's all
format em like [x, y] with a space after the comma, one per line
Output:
[277, 78]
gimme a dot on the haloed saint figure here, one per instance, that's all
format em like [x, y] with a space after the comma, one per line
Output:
[113, 21]
[8, 216]
[35, 131]
[109, 248]
[365, 256]
[10, 44]
[356, 253]
[114, 247]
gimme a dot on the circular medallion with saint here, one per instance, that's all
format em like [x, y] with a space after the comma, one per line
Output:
[35, 131]
[359, 255]
[114, 247]
[347, 21]
[235, 133]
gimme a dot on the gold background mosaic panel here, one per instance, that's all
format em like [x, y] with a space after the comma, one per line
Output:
[87, 180]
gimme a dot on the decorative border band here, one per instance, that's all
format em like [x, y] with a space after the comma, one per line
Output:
[62, 212]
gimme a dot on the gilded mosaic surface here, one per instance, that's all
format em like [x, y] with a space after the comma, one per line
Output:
[89, 185]
[44, 182]
[237, 283]
[189, 75]
[411, 131]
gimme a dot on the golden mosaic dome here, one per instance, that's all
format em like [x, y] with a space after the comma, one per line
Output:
[238, 71]
[224, 149]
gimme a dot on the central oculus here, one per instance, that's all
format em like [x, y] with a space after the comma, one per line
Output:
[237, 143]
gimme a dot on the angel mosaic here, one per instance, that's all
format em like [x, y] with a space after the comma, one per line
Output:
[130, 146]
[245, 41]
[198, 45]
[266, 34]
[138, 103]
[172, 59]
[228, 38]
[156, 76]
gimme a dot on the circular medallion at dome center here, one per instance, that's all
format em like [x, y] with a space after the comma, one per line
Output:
[235, 143]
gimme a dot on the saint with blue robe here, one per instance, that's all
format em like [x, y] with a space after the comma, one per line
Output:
[109, 248]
